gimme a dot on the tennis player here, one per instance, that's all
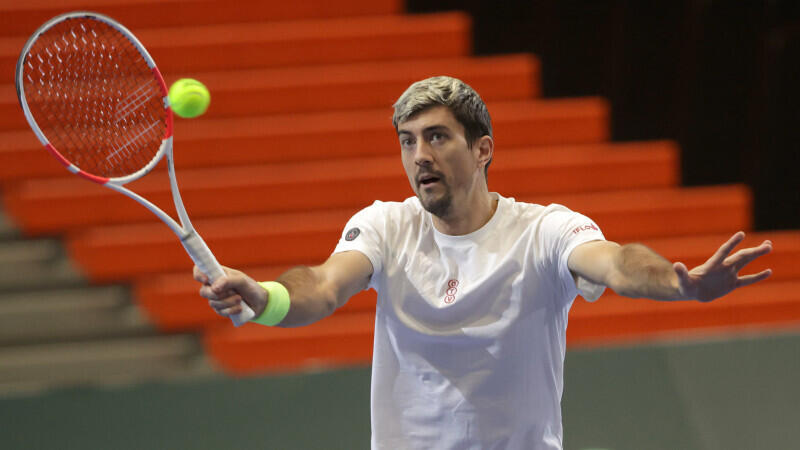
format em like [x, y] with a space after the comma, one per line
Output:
[473, 287]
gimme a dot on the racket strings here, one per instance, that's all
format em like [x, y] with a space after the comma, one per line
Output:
[94, 97]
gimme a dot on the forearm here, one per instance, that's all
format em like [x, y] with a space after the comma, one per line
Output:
[641, 272]
[310, 300]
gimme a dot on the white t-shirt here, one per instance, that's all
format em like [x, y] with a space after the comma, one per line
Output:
[470, 330]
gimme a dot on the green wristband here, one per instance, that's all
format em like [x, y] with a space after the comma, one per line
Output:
[277, 304]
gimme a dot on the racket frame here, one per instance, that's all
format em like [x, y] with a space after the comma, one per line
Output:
[185, 231]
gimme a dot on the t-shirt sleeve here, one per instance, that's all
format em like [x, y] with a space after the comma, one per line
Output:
[364, 233]
[563, 230]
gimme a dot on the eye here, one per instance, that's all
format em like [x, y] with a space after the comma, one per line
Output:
[406, 142]
[437, 137]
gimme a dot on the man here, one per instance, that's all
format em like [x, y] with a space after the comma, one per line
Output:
[473, 288]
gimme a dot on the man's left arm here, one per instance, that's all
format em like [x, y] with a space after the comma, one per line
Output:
[634, 270]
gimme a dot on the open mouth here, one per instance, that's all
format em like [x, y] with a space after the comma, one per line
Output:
[428, 180]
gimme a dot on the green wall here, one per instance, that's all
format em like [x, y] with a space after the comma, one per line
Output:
[741, 394]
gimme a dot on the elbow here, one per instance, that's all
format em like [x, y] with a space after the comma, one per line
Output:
[328, 305]
[615, 278]
[622, 285]
[327, 300]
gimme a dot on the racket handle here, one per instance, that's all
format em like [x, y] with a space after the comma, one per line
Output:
[207, 263]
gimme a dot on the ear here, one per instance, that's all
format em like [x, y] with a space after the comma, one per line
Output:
[485, 150]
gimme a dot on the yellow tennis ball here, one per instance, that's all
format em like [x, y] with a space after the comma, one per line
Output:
[189, 98]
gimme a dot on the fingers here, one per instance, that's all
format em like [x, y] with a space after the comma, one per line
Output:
[222, 288]
[755, 278]
[745, 256]
[229, 294]
[227, 307]
[199, 275]
[222, 296]
[226, 283]
[726, 248]
[208, 293]
[224, 300]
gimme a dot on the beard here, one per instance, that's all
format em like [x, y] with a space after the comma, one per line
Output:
[438, 206]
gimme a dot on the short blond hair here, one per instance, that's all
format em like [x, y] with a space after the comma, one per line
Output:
[465, 104]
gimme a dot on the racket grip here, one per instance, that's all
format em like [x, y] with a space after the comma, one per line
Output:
[207, 263]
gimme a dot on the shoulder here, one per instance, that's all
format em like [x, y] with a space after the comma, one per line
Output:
[555, 214]
[562, 224]
[528, 213]
[555, 208]
[393, 210]
[550, 220]
[391, 218]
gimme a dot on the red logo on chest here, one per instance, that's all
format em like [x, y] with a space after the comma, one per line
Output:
[452, 290]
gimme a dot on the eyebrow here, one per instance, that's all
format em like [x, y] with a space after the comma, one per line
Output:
[426, 129]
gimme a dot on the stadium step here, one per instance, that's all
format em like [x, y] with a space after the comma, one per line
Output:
[766, 306]
[179, 50]
[286, 80]
[8, 230]
[336, 87]
[339, 340]
[346, 339]
[122, 360]
[329, 135]
[53, 205]
[36, 264]
[23, 18]
[172, 301]
[309, 237]
[69, 314]
[649, 213]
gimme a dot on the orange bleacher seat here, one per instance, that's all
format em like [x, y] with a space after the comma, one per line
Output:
[648, 213]
[613, 319]
[172, 301]
[52, 205]
[336, 87]
[309, 236]
[299, 137]
[329, 135]
[180, 308]
[274, 44]
[22, 18]
[335, 341]
[765, 306]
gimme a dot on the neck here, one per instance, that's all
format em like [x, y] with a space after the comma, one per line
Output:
[476, 213]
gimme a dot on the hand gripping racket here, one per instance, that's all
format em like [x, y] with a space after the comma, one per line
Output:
[96, 101]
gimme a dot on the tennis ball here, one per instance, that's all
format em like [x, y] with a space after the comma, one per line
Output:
[189, 98]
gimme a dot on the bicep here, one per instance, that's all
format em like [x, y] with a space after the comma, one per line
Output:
[345, 274]
[594, 261]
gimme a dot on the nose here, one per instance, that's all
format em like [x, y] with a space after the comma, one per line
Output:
[422, 155]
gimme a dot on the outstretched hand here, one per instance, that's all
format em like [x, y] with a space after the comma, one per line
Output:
[720, 274]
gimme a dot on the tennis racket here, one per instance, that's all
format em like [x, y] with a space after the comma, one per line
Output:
[97, 102]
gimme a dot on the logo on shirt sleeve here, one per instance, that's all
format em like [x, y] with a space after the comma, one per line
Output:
[586, 227]
[352, 233]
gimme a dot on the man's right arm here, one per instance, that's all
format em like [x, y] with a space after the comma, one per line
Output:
[315, 292]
